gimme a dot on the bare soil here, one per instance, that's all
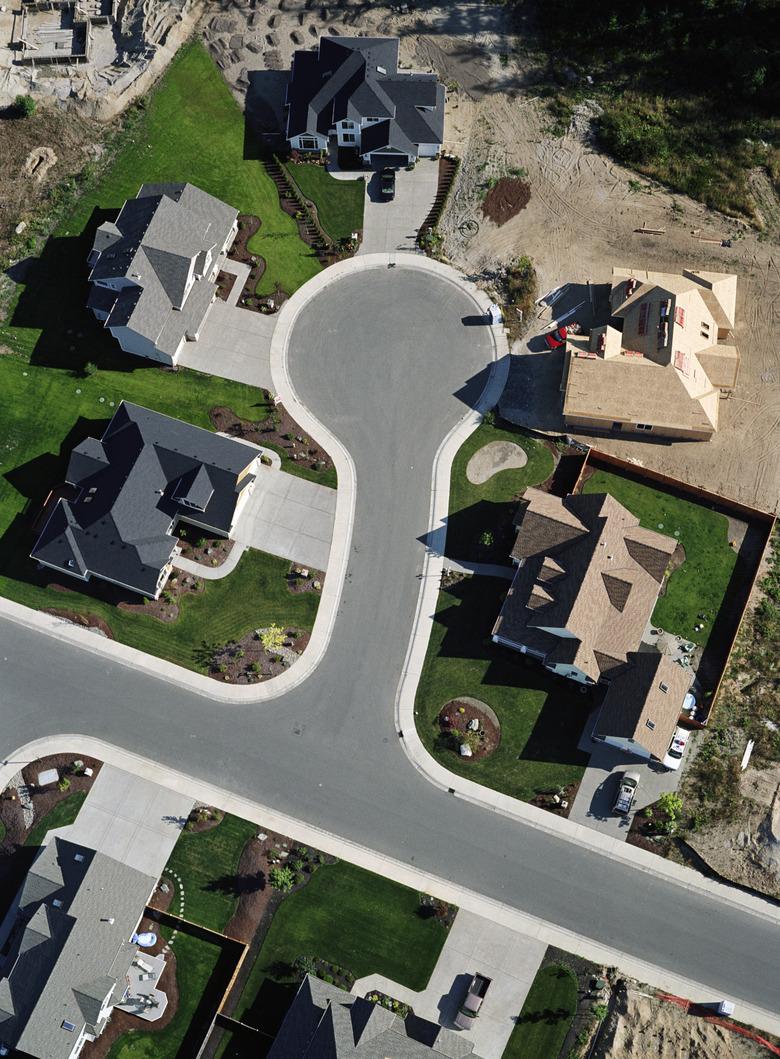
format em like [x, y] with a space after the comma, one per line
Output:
[641, 1025]
[279, 430]
[454, 720]
[505, 200]
[494, 457]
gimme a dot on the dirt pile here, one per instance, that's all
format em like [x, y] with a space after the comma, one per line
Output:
[642, 1025]
[505, 200]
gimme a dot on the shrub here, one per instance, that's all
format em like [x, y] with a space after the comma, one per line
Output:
[272, 638]
[90, 368]
[200, 542]
[486, 539]
[304, 965]
[25, 106]
[296, 865]
[64, 784]
[670, 803]
[600, 1011]
[282, 879]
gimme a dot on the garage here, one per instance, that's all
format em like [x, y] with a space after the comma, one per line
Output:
[396, 160]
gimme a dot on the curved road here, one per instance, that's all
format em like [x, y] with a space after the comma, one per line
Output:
[385, 361]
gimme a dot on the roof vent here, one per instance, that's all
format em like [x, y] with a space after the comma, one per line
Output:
[664, 687]
[381, 70]
[107, 919]
[78, 857]
[650, 725]
[57, 903]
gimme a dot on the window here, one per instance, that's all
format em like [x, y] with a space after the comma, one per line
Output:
[679, 316]
[705, 329]
[348, 124]
[617, 425]
[644, 309]
[650, 725]
[68, 1025]
[664, 687]
[348, 137]
[644, 426]
[308, 143]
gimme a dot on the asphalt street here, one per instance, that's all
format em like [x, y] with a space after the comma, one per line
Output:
[385, 360]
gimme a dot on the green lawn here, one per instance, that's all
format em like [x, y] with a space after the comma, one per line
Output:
[339, 202]
[191, 129]
[490, 507]
[207, 862]
[65, 812]
[353, 918]
[541, 718]
[546, 1016]
[195, 963]
[699, 585]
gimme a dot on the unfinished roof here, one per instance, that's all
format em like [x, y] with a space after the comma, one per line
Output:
[644, 701]
[325, 1022]
[66, 959]
[611, 570]
[355, 78]
[157, 243]
[146, 471]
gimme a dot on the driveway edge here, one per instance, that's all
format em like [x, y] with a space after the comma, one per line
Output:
[408, 875]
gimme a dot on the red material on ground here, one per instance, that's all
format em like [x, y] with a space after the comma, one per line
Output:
[700, 1012]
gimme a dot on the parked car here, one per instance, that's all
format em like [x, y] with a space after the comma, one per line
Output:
[557, 338]
[469, 1009]
[387, 182]
[676, 749]
[626, 793]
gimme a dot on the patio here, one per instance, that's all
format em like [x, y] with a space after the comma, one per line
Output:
[142, 997]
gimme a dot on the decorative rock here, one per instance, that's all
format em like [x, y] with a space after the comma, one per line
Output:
[48, 776]
[20, 227]
[473, 725]
[303, 571]
[316, 585]
[465, 751]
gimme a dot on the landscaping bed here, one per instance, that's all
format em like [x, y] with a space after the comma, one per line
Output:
[278, 431]
[471, 722]
[201, 548]
[339, 203]
[248, 298]
[86, 621]
[248, 661]
[304, 579]
[505, 199]
[168, 607]
[225, 283]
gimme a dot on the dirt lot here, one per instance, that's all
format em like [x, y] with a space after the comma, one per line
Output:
[641, 1025]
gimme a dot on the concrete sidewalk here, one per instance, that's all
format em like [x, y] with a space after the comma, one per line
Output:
[474, 944]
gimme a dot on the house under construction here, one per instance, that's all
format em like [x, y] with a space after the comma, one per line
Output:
[59, 31]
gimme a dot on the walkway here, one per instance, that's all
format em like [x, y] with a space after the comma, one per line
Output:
[393, 224]
[474, 944]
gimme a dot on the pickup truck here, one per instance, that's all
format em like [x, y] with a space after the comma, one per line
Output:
[469, 1009]
[626, 793]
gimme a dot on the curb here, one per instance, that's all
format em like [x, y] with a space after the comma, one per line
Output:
[406, 874]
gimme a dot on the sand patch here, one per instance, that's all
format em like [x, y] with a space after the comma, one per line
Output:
[494, 457]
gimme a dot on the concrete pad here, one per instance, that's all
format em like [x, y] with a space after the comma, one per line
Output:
[131, 819]
[234, 344]
[393, 225]
[474, 944]
[290, 517]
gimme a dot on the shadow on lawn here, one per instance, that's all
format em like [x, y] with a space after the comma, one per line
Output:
[482, 532]
[237, 885]
[54, 302]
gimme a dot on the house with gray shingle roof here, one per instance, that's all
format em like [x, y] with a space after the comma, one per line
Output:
[152, 271]
[588, 579]
[67, 949]
[351, 88]
[325, 1022]
[132, 487]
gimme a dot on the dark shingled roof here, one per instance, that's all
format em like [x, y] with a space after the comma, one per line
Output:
[353, 78]
[147, 471]
[324, 1022]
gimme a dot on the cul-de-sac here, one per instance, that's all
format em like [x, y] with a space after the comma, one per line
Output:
[390, 577]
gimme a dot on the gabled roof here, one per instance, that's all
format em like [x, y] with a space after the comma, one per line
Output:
[131, 484]
[324, 1022]
[65, 960]
[157, 240]
[355, 78]
[605, 580]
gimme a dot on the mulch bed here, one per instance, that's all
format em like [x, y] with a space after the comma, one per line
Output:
[302, 579]
[88, 621]
[121, 1022]
[240, 657]
[166, 608]
[225, 283]
[279, 430]
[202, 818]
[212, 552]
[505, 199]
[454, 719]
[546, 800]
[43, 798]
[248, 298]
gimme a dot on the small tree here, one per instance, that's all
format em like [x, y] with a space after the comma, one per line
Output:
[670, 803]
[282, 879]
[272, 638]
[305, 965]
[25, 106]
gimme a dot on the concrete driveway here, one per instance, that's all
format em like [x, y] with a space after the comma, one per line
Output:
[394, 225]
[130, 819]
[290, 517]
[599, 787]
[235, 344]
[473, 944]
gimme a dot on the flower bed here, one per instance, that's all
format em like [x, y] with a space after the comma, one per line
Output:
[396, 1006]
[467, 721]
